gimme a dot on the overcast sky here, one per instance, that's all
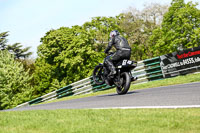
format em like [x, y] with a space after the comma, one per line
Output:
[28, 20]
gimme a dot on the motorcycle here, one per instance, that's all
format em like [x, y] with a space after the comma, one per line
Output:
[122, 79]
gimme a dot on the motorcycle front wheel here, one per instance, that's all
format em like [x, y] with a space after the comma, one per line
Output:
[125, 82]
[97, 75]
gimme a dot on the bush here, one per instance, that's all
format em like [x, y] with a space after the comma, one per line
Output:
[15, 85]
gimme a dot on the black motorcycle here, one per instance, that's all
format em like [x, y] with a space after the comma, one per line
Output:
[122, 79]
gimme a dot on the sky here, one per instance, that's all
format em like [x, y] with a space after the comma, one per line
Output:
[28, 20]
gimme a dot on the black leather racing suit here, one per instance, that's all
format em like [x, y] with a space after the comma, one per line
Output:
[123, 51]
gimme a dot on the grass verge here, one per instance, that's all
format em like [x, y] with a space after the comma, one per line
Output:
[165, 82]
[169, 81]
[101, 121]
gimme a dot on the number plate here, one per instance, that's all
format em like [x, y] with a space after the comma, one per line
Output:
[126, 62]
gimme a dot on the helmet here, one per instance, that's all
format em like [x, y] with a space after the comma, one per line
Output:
[114, 33]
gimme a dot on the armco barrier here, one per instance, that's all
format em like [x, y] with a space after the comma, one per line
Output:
[146, 70]
[80, 87]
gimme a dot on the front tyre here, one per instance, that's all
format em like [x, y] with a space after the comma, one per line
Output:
[97, 75]
[125, 82]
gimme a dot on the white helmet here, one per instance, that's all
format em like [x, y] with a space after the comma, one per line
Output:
[114, 33]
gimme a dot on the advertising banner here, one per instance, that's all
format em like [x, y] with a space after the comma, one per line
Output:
[182, 62]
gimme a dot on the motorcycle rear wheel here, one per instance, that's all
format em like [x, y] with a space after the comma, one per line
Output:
[125, 81]
[97, 75]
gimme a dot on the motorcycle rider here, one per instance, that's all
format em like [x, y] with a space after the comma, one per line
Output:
[123, 50]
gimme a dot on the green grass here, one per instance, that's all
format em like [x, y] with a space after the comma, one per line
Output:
[107, 120]
[165, 82]
[101, 121]
[169, 81]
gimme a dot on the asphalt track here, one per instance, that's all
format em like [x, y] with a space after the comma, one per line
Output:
[174, 96]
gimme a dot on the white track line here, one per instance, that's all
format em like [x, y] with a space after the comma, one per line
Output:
[154, 107]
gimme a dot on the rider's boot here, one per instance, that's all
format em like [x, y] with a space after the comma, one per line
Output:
[112, 69]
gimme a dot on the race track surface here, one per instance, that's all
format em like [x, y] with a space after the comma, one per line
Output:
[175, 95]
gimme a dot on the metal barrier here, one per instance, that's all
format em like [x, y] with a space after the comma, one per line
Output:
[77, 88]
[146, 70]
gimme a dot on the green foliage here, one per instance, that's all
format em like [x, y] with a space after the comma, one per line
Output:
[14, 82]
[180, 29]
[18, 51]
[15, 49]
[43, 76]
[28, 65]
[100, 28]
[65, 55]
[3, 40]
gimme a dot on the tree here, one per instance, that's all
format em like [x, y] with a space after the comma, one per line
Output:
[3, 40]
[138, 26]
[65, 55]
[19, 52]
[15, 85]
[180, 29]
[154, 13]
[70, 54]
[28, 65]
[100, 28]
[15, 49]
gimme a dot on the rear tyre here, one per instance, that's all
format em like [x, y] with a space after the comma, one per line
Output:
[97, 75]
[125, 82]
